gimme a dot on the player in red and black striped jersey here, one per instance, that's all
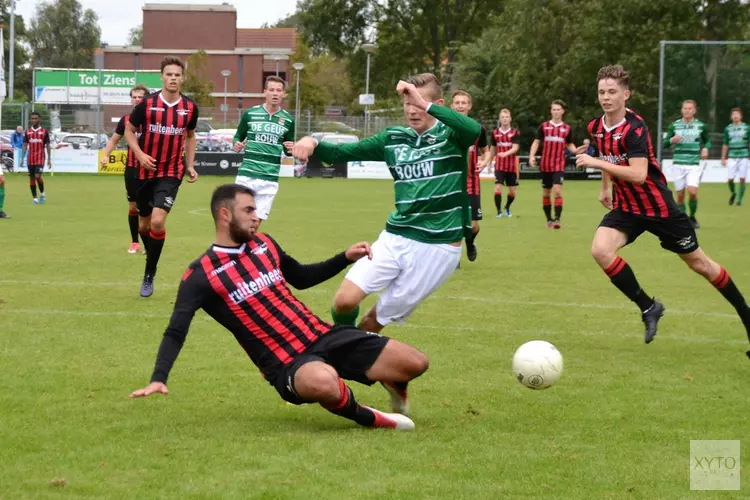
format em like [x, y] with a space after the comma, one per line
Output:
[505, 143]
[556, 136]
[479, 158]
[243, 281]
[37, 141]
[165, 151]
[641, 202]
[132, 172]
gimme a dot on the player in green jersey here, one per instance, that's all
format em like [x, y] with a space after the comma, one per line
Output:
[736, 139]
[691, 140]
[421, 245]
[263, 133]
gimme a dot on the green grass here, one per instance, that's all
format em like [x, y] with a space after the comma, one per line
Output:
[76, 339]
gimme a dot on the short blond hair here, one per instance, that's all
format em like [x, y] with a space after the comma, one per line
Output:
[461, 92]
[615, 72]
[505, 110]
[428, 81]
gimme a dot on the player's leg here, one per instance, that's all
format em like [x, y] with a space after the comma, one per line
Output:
[476, 216]
[40, 184]
[512, 183]
[617, 230]
[131, 190]
[731, 174]
[546, 199]
[557, 190]
[3, 215]
[499, 178]
[143, 197]
[32, 183]
[680, 183]
[365, 277]
[743, 164]
[265, 193]
[693, 183]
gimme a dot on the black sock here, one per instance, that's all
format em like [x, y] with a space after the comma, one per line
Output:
[547, 207]
[499, 202]
[558, 207]
[133, 223]
[623, 278]
[401, 386]
[155, 246]
[40, 183]
[348, 407]
[146, 240]
[729, 290]
[511, 199]
[470, 240]
[32, 185]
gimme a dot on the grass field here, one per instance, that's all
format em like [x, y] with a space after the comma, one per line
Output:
[76, 339]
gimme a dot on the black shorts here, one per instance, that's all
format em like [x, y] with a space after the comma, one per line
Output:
[550, 179]
[35, 170]
[475, 202]
[675, 232]
[350, 351]
[131, 183]
[156, 193]
[510, 179]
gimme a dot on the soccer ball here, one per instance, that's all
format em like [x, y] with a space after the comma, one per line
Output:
[537, 364]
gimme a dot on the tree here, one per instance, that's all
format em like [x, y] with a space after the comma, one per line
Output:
[22, 75]
[135, 35]
[197, 85]
[64, 35]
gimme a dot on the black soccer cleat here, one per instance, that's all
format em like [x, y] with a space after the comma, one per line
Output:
[651, 319]
[732, 198]
[3, 215]
[147, 288]
[471, 252]
[694, 222]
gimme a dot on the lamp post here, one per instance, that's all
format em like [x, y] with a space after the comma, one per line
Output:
[298, 67]
[277, 58]
[369, 48]
[225, 73]
[11, 49]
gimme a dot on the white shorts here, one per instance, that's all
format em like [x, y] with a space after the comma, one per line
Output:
[408, 270]
[265, 192]
[737, 167]
[687, 176]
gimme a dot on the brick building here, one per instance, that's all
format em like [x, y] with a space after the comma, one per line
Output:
[182, 29]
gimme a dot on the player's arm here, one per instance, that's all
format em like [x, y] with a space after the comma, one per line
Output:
[238, 141]
[289, 136]
[671, 138]
[302, 276]
[465, 129]
[25, 146]
[706, 140]
[533, 150]
[190, 298]
[190, 144]
[636, 143]
[725, 147]
[116, 136]
[571, 145]
[137, 119]
[48, 148]
[370, 149]
[484, 148]
[605, 195]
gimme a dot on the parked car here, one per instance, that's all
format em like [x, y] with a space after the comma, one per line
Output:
[82, 141]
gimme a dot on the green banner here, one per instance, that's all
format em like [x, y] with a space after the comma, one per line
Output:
[89, 86]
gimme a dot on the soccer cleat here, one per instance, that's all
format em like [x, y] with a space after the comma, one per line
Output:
[393, 421]
[739, 203]
[3, 215]
[499, 215]
[556, 224]
[471, 252]
[147, 288]
[694, 222]
[35, 201]
[134, 247]
[732, 198]
[42, 199]
[549, 224]
[651, 319]
[399, 401]
[507, 213]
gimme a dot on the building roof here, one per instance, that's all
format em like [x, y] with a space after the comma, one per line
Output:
[280, 38]
[225, 7]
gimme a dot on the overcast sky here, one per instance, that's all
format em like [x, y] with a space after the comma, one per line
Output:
[116, 18]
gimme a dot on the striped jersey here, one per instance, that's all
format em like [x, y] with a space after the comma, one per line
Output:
[503, 140]
[555, 138]
[36, 139]
[736, 138]
[131, 161]
[429, 172]
[164, 127]
[245, 289]
[474, 152]
[617, 145]
[693, 137]
[265, 134]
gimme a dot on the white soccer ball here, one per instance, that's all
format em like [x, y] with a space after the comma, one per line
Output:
[537, 364]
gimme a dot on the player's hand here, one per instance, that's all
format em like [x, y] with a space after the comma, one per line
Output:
[303, 149]
[239, 147]
[192, 175]
[704, 154]
[675, 139]
[49, 165]
[105, 161]
[147, 162]
[584, 160]
[411, 94]
[152, 388]
[605, 198]
[723, 162]
[288, 145]
[581, 149]
[359, 250]
[532, 161]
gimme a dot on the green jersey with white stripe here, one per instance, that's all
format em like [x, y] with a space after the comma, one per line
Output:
[429, 171]
[693, 138]
[265, 134]
[737, 138]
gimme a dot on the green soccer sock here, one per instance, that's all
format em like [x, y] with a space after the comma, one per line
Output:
[731, 186]
[682, 207]
[693, 204]
[2, 197]
[739, 197]
[349, 318]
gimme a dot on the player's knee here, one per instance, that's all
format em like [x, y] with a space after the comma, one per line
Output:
[157, 224]
[601, 253]
[418, 363]
[321, 384]
[344, 301]
[2, 180]
[698, 263]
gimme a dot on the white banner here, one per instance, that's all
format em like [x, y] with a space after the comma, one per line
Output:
[368, 170]
[75, 160]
